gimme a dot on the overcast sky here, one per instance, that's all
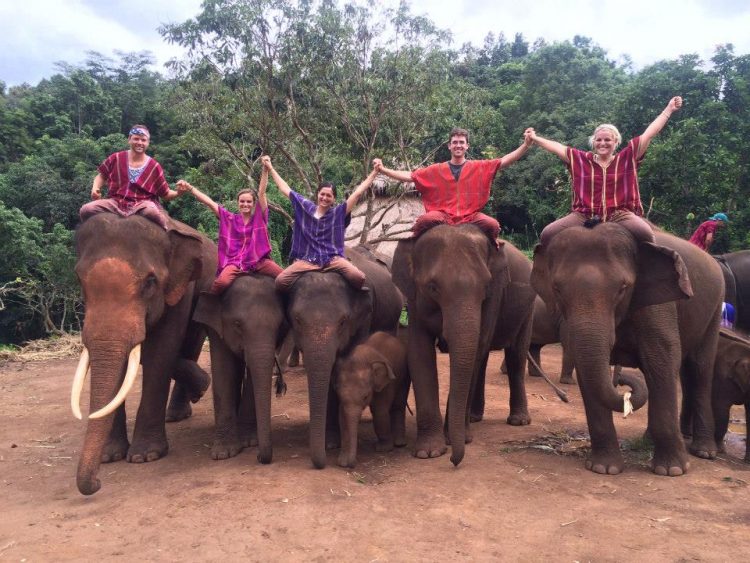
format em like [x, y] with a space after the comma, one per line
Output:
[34, 34]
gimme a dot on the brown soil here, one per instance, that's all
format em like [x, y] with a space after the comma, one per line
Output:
[521, 493]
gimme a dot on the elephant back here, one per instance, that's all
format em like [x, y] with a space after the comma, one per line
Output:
[387, 300]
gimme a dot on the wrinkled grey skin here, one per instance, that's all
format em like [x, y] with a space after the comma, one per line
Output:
[245, 325]
[628, 304]
[139, 286]
[374, 375]
[731, 385]
[736, 271]
[327, 318]
[474, 297]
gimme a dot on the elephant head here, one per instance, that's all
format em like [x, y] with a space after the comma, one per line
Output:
[246, 324]
[131, 271]
[596, 278]
[327, 317]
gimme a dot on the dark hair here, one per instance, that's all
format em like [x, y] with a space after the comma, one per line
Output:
[247, 191]
[458, 132]
[327, 185]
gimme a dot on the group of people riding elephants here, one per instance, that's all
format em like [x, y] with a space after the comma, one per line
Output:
[604, 184]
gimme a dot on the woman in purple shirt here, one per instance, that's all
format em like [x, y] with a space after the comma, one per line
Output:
[244, 245]
[318, 234]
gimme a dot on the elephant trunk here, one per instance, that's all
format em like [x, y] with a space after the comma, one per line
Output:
[319, 362]
[591, 348]
[349, 419]
[259, 360]
[463, 340]
[107, 368]
[639, 390]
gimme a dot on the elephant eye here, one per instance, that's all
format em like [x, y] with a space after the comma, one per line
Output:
[149, 284]
[432, 288]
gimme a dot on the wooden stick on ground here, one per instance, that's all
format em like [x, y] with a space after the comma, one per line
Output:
[560, 393]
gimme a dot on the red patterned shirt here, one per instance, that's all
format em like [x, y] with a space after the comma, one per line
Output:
[150, 185]
[458, 198]
[601, 191]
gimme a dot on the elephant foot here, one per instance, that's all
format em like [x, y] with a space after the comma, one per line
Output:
[222, 449]
[476, 417]
[347, 460]
[519, 419]
[704, 449]
[672, 464]
[193, 378]
[115, 450]
[333, 440]
[248, 436]
[384, 446]
[567, 380]
[534, 373]
[430, 446]
[609, 463]
[265, 455]
[145, 451]
[179, 405]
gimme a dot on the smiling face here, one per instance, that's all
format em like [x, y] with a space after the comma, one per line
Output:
[458, 146]
[605, 143]
[138, 143]
[325, 198]
[246, 202]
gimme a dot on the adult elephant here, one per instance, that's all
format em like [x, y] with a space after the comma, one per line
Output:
[245, 326]
[627, 304]
[139, 283]
[328, 317]
[735, 267]
[464, 291]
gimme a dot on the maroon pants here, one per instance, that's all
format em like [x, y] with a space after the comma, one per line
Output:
[148, 209]
[226, 277]
[431, 219]
[351, 273]
[641, 231]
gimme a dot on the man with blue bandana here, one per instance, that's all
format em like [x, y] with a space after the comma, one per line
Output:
[135, 182]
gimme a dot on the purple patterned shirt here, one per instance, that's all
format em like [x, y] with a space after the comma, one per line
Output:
[243, 245]
[317, 240]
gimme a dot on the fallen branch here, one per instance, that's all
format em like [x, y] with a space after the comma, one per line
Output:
[560, 393]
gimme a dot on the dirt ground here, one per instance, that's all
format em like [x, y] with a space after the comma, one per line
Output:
[520, 494]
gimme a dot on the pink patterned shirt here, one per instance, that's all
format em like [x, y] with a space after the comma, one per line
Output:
[150, 185]
[243, 245]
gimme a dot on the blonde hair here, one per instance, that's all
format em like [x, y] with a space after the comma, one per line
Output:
[609, 127]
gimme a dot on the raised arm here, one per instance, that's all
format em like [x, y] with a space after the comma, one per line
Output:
[398, 175]
[352, 200]
[262, 199]
[558, 149]
[658, 124]
[183, 187]
[278, 180]
[511, 157]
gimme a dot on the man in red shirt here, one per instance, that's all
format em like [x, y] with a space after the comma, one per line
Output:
[703, 237]
[454, 192]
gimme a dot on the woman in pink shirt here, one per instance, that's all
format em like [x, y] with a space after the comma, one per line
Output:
[244, 245]
[605, 184]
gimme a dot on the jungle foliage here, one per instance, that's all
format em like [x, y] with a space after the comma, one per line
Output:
[323, 88]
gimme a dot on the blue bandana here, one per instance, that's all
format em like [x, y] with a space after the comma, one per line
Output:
[139, 131]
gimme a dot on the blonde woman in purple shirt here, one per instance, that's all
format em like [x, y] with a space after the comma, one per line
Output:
[318, 233]
[244, 245]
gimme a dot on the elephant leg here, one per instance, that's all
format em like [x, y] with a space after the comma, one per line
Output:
[536, 352]
[606, 457]
[116, 446]
[722, 405]
[747, 443]
[701, 366]
[333, 430]
[423, 370]
[519, 408]
[191, 381]
[687, 404]
[659, 355]
[476, 412]
[381, 422]
[228, 374]
[566, 375]
[398, 412]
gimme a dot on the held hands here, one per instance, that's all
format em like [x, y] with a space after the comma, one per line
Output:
[674, 104]
[377, 164]
[529, 136]
[183, 187]
[265, 160]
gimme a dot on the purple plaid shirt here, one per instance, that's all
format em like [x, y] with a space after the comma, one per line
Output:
[316, 240]
[242, 245]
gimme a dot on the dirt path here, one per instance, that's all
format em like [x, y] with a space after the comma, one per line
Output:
[521, 494]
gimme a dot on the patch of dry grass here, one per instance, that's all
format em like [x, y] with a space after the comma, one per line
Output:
[56, 347]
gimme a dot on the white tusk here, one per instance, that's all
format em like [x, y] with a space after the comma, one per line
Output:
[78, 380]
[134, 361]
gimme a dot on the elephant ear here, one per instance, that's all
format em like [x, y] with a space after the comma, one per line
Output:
[661, 276]
[402, 270]
[382, 375]
[208, 312]
[185, 263]
[540, 278]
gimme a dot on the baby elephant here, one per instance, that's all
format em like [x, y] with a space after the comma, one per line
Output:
[731, 385]
[374, 374]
